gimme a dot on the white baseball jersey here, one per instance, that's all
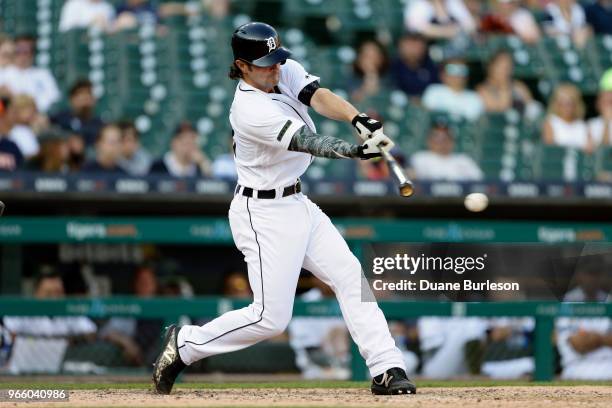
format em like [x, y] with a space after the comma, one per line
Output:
[264, 124]
[278, 237]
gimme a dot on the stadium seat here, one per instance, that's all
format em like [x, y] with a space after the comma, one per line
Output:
[556, 163]
[566, 63]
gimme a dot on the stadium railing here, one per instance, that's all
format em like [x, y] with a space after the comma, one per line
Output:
[92, 185]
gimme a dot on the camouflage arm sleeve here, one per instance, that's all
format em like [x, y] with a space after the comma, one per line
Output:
[304, 140]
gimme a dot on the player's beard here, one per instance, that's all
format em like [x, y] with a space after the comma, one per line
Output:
[263, 81]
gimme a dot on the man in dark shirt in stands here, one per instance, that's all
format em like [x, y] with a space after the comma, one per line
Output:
[412, 71]
[108, 152]
[80, 118]
[10, 155]
[185, 158]
[599, 16]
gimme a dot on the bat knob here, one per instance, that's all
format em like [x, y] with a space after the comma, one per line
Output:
[406, 189]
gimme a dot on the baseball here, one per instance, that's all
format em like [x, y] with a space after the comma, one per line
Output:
[476, 202]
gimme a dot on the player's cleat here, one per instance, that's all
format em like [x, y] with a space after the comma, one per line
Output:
[394, 381]
[168, 364]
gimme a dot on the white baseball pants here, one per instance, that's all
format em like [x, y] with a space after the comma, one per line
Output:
[278, 237]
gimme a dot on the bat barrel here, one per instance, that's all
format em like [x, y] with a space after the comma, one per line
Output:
[406, 189]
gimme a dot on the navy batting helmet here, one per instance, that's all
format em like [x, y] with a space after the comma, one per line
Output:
[258, 44]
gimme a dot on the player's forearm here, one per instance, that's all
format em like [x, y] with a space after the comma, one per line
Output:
[332, 106]
[305, 141]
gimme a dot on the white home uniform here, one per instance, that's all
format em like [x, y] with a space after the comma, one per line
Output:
[280, 236]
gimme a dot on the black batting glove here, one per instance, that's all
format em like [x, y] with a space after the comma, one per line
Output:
[366, 156]
[365, 126]
[371, 148]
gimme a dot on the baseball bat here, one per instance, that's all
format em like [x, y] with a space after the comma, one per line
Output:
[406, 189]
[1, 208]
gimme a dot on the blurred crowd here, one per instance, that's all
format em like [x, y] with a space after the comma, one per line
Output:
[39, 131]
[444, 86]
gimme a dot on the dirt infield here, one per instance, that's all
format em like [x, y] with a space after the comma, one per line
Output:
[523, 397]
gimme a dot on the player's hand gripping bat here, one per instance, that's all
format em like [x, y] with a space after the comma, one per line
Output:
[406, 189]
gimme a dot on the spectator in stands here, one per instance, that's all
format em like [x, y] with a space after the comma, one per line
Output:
[135, 160]
[438, 19]
[440, 163]
[108, 152]
[599, 16]
[185, 158]
[41, 341]
[369, 71]
[85, 14]
[600, 128]
[137, 338]
[27, 124]
[565, 125]
[508, 17]
[413, 70]
[54, 153]
[10, 156]
[132, 13]
[500, 92]
[566, 17]
[451, 96]
[7, 52]
[24, 78]
[585, 344]
[80, 118]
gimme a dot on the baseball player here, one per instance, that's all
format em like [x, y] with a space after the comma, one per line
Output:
[277, 228]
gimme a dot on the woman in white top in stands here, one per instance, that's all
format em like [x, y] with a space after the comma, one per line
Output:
[565, 125]
[438, 19]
